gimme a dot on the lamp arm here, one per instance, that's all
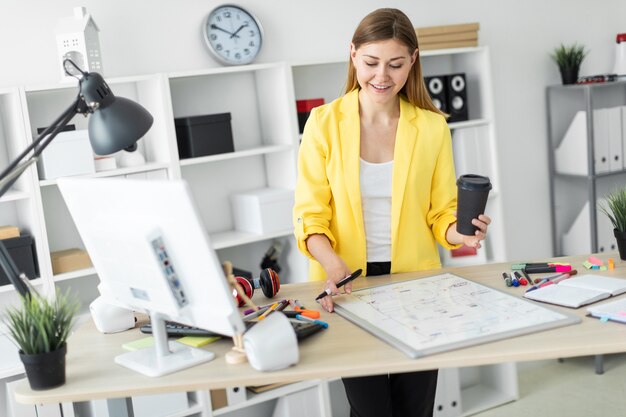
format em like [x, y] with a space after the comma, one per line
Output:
[57, 125]
[13, 171]
[15, 168]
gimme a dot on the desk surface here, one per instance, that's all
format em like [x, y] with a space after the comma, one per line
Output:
[342, 350]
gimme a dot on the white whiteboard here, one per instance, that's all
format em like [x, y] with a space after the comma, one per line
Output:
[444, 312]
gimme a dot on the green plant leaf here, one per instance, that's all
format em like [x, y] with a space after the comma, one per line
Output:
[615, 208]
[569, 56]
[40, 325]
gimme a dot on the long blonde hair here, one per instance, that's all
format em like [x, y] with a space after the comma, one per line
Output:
[384, 24]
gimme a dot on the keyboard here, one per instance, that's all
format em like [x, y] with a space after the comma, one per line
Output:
[303, 329]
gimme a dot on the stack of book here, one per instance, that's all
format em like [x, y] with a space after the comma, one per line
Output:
[449, 36]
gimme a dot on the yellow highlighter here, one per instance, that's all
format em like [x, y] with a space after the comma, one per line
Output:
[269, 311]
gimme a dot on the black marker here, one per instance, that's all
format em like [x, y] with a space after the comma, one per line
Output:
[341, 283]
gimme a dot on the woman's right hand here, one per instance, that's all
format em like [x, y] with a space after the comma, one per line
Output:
[334, 274]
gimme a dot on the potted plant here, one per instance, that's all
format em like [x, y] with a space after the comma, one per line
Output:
[40, 327]
[569, 58]
[615, 209]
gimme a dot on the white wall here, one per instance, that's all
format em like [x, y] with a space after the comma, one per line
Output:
[145, 36]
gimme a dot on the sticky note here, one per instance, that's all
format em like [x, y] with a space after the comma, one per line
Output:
[603, 268]
[611, 264]
[197, 341]
[587, 264]
[139, 344]
[604, 319]
[595, 260]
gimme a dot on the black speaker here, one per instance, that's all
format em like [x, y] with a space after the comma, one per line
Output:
[456, 97]
[436, 87]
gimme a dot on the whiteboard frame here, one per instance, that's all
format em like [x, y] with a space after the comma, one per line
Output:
[414, 352]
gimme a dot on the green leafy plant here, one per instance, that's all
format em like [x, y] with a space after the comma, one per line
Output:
[39, 325]
[569, 56]
[615, 208]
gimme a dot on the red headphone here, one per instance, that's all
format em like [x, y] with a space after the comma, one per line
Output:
[268, 281]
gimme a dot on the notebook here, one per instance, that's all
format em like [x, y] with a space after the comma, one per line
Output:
[579, 290]
[615, 310]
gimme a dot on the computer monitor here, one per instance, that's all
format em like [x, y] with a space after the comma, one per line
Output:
[151, 252]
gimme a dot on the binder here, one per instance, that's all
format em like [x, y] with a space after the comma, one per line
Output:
[623, 112]
[577, 240]
[601, 140]
[570, 156]
[614, 125]
[606, 239]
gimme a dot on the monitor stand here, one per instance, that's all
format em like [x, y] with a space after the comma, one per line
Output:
[163, 358]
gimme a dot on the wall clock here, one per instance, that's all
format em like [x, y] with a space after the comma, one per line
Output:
[233, 35]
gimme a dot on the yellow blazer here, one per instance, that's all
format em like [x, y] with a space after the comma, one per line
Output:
[328, 193]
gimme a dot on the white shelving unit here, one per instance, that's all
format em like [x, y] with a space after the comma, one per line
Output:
[261, 100]
[587, 138]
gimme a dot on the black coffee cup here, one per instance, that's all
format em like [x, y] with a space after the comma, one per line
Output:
[472, 193]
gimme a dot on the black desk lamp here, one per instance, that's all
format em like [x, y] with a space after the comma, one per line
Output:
[116, 123]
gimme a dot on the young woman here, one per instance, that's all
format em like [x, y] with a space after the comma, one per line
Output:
[376, 189]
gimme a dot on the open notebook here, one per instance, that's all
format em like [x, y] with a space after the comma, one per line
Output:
[579, 290]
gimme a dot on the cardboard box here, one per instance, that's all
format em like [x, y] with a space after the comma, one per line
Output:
[204, 135]
[263, 211]
[70, 260]
[463, 35]
[7, 232]
[68, 154]
[23, 254]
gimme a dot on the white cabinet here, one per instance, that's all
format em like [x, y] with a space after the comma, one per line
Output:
[587, 138]
[261, 99]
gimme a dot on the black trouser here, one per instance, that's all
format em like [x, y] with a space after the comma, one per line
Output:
[410, 394]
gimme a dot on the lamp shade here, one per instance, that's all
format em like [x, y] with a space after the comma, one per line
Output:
[117, 123]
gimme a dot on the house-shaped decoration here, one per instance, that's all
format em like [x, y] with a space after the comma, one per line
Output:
[77, 39]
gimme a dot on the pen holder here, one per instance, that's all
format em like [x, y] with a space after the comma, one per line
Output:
[271, 344]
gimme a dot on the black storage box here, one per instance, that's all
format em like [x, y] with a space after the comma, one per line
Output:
[204, 135]
[23, 253]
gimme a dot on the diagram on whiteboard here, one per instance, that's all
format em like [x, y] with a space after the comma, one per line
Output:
[444, 312]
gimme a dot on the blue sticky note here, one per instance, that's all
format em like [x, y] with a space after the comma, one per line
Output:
[604, 319]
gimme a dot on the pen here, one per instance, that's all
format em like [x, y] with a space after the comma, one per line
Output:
[320, 322]
[534, 287]
[251, 310]
[268, 311]
[341, 283]
[255, 314]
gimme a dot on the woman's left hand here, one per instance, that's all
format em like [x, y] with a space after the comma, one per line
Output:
[482, 222]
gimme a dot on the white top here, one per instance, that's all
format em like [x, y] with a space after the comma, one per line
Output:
[376, 201]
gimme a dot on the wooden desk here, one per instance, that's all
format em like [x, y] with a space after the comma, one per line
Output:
[341, 350]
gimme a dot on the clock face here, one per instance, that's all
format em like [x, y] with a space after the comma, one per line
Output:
[233, 35]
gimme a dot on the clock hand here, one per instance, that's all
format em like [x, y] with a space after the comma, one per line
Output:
[237, 31]
[214, 26]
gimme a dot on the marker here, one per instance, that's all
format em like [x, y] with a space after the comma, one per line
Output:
[522, 266]
[520, 278]
[251, 310]
[341, 283]
[320, 322]
[268, 311]
[283, 304]
[544, 269]
[255, 314]
[514, 281]
[507, 279]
